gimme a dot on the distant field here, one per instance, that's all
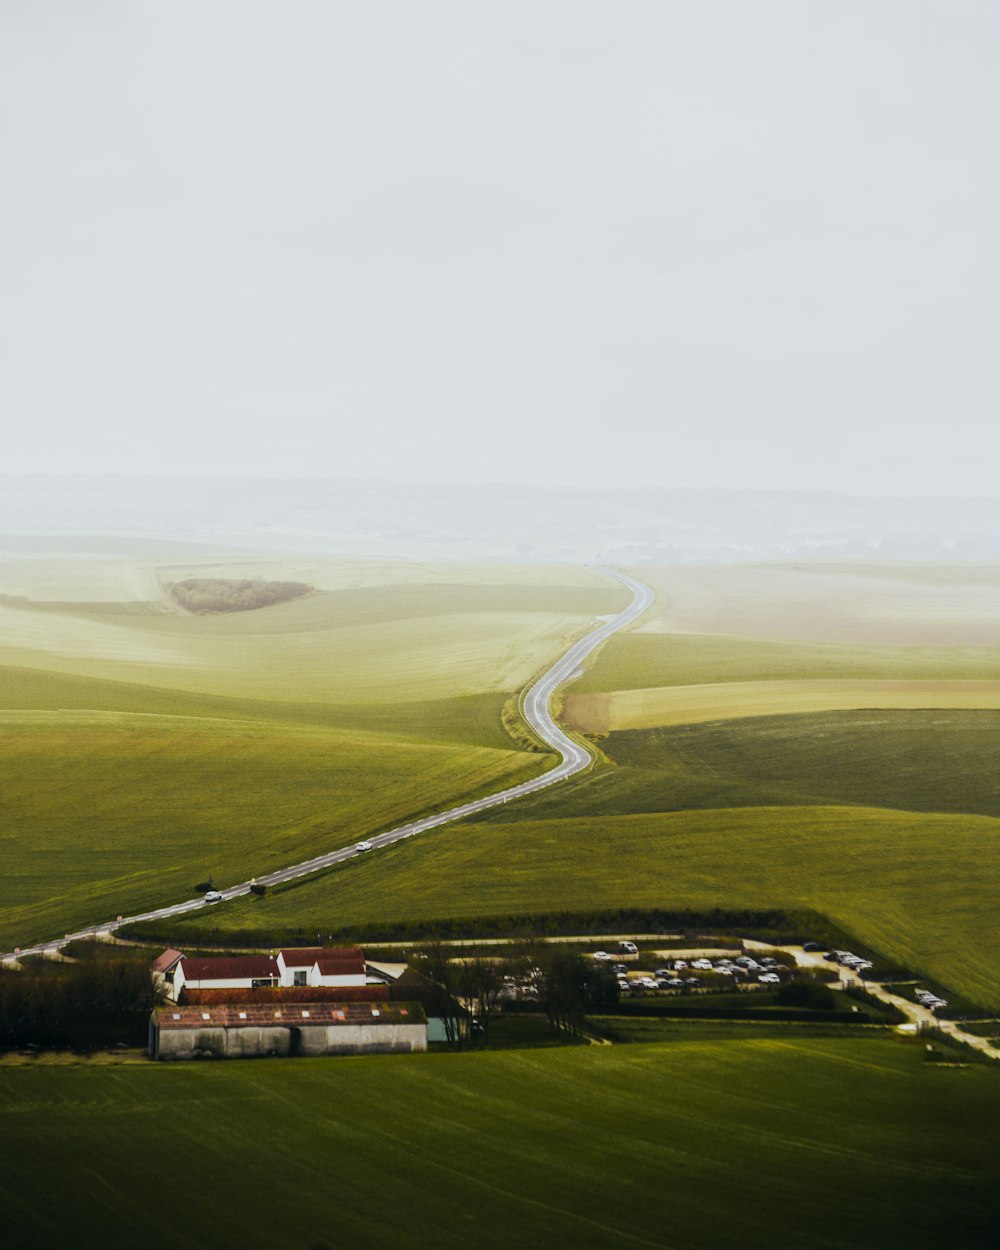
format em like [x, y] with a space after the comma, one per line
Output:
[797, 604]
[920, 887]
[921, 573]
[634, 661]
[687, 705]
[319, 648]
[831, 1144]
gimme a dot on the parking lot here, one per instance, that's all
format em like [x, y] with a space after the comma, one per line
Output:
[694, 971]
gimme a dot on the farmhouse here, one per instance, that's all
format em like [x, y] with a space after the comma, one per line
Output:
[229, 972]
[338, 966]
[255, 1029]
[320, 965]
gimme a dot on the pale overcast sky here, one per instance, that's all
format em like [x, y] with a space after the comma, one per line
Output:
[704, 244]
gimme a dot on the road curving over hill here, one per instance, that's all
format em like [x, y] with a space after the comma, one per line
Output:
[574, 756]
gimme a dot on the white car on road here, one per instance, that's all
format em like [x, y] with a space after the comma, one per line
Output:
[364, 846]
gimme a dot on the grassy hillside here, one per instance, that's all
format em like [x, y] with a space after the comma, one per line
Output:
[634, 661]
[739, 1143]
[146, 750]
[113, 812]
[922, 888]
[602, 713]
[925, 761]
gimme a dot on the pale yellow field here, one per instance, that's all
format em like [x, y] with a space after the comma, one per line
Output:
[374, 632]
[797, 604]
[391, 661]
[604, 713]
[97, 577]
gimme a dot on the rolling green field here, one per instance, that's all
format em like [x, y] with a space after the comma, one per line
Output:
[144, 749]
[106, 813]
[912, 761]
[753, 1143]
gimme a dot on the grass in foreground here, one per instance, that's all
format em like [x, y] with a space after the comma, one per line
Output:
[679, 1145]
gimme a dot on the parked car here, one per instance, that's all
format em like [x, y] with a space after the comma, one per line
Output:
[769, 978]
[603, 956]
[628, 948]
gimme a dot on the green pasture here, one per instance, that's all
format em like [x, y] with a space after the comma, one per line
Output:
[113, 812]
[919, 887]
[928, 761]
[631, 661]
[795, 1141]
[143, 751]
[473, 719]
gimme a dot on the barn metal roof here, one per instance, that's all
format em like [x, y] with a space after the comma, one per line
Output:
[288, 1015]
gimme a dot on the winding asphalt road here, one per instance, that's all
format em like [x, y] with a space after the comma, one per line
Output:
[574, 757]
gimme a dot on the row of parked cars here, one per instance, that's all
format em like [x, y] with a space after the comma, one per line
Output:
[849, 960]
[680, 974]
[931, 1001]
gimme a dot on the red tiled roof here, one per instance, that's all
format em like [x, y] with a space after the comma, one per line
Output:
[278, 994]
[167, 960]
[352, 957]
[230, 968]
[288, 1015]
[341, 966]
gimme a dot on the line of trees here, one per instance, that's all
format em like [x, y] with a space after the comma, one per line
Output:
[98, 1002]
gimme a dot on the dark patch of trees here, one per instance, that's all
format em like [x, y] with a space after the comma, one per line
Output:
[221, 594]
[100, 1001]
[806, 992]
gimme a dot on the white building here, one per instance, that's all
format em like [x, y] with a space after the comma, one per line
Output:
[322, 965]
[228, 972]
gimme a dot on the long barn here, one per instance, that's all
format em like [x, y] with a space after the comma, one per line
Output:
[255, 1029]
